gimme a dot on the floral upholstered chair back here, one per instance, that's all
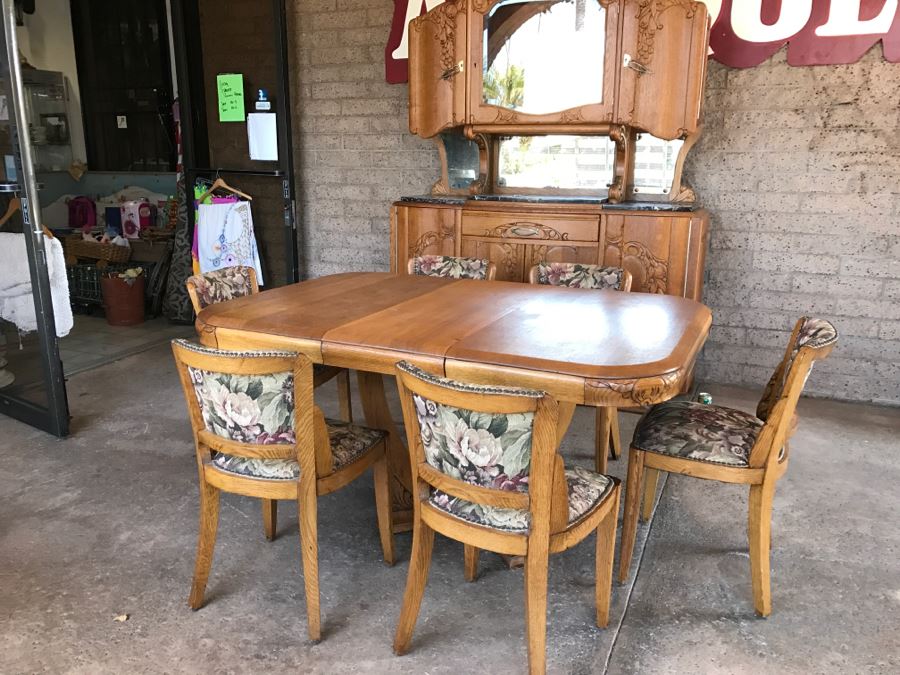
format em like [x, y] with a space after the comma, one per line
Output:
[452, 267]
[221, 285]
[242, 401]
[577, 275]
[496, 440]
[811, 340]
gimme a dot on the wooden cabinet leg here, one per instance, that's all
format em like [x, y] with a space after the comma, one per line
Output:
[378, 416]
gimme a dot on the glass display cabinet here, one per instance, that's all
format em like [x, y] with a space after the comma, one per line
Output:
[46, 101]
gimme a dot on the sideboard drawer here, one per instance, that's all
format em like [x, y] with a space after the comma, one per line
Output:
[527, 226]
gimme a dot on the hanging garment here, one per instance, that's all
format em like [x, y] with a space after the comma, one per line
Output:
[199, 191]
[16, 301]
[225, 238]
[177, 304]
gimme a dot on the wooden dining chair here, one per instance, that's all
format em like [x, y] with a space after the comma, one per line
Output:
[486, 472]
[576, 275]
[258, 433]
[236, 282]
[452, 267]
[730, 446]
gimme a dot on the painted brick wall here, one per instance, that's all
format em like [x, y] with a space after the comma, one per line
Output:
[800, 168]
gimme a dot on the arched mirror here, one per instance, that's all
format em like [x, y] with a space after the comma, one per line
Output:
[543, 56]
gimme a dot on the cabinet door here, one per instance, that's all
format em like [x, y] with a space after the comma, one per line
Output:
[543, 61]
[422, 230]
[437, 77]
[664, 253]
[507, 256]
[584, 253]
[663, 66]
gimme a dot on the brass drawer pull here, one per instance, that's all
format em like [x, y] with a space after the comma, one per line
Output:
[637, 66]
[455, 70]
[524, 230]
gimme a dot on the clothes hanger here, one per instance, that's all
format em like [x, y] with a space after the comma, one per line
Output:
[220, 184]
[14, 205]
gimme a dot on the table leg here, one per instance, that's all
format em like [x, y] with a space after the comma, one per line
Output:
[378, 416]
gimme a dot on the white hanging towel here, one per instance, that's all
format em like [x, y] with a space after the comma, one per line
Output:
[225, 238]
[16, 302]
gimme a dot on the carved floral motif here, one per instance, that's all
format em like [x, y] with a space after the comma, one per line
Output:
[428, 240]
[644, 391]
[444, 20]
[649, 23]
[523, 229]
[656, 270]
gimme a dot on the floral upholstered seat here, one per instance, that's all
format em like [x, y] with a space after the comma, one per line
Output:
[260, 409]
[576, 275]
[221, 285]
[586, 490]
[449, 266]
[705, 433]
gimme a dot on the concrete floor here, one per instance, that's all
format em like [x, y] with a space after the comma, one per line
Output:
[104, 524]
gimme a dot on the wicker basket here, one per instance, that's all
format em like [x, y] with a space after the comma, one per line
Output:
[77, 247]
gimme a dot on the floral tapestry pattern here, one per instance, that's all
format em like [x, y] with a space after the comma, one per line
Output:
[222, 285]
[576, 275]
[450, 266]
[696, 431]
[586, 490]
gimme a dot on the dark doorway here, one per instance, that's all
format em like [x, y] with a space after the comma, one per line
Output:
[125, 74]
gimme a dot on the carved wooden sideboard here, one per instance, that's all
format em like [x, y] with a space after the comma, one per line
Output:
[663, 249]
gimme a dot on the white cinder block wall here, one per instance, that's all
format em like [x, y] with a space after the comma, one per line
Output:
[800, 168]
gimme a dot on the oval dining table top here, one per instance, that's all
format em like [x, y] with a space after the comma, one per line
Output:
[495, 331]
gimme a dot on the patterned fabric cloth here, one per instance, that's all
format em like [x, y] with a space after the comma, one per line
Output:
[177, 304]
[706, 433]
[586, 490]
[349, 442]
[260, 409]
[576, 275]
[813, 333]
[450, 266]
[221, 285]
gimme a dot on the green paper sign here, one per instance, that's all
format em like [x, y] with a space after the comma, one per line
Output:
[230, 87]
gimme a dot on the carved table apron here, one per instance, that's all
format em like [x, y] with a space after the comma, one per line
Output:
[584, 347]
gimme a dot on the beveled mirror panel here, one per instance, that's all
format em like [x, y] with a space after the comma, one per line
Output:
[655, 161]
[543, 56]
[583, 163]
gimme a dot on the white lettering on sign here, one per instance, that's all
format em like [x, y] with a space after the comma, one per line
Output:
[747, 24]
[413, 9]
[843, 19]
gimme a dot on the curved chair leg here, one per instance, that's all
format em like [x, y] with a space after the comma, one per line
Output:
[343, 385]
[419, 562]
[606, 549]
[615, 436]
[270, 517]
[206, 542]
[759, 524]
[383, 509]
[632, 506]
[650, 482]
[471, 561]
[604, 427]
[536, 570]
[307, 514]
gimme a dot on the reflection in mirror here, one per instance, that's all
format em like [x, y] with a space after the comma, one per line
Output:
[563, 162]
[654, 164]
[462, 159]
[544, 56]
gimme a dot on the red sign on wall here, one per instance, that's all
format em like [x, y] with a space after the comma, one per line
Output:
[745, 32]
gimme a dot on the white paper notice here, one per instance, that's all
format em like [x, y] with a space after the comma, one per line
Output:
[262, 133]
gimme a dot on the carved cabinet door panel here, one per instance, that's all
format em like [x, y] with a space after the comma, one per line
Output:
[663, 66]
[437, 72]
[509, 257]
[570, 252]
[422, 231]
[656, 249]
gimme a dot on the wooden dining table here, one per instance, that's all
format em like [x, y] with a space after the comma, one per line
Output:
[584, 347]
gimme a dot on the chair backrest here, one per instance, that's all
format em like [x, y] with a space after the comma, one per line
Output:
[452, 267]
[493, 447]
[577, 275]
[810, 341]
[250, 404]
[221, 285]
